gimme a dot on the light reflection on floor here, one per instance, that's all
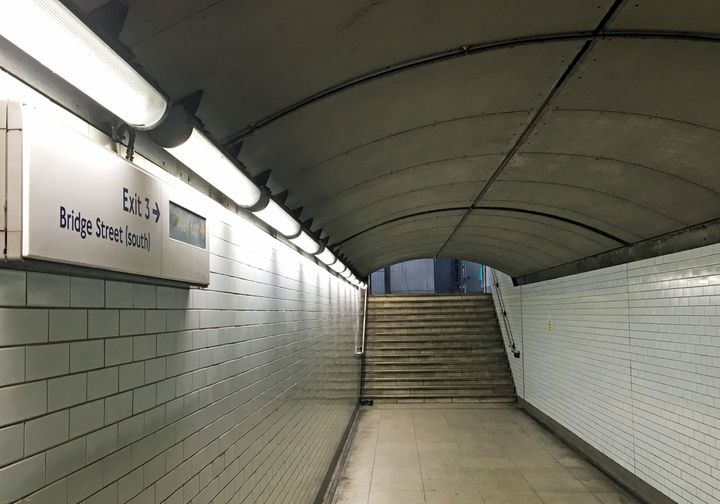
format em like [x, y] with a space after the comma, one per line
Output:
[482, 454]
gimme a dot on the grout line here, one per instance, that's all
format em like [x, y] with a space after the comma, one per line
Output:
[630, 359]
[372, 467]
[417, 450]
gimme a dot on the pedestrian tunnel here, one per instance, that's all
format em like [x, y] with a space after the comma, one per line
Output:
[195, 197]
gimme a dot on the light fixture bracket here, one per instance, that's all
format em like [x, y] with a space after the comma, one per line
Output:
[119, 130]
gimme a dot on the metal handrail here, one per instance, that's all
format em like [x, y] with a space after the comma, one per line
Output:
[508, 331]
[364, 320]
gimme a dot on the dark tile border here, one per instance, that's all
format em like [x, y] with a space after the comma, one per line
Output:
[630, 482]
[326, 493]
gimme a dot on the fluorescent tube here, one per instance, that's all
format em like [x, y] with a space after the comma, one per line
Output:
[50, 33]
[338, 266]
[305, 242]
[201, 156]
[274, 216]
[327, 257]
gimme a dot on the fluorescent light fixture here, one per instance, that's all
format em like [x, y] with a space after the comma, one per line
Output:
[305, 242]
[338, 267]
[276, 217]
[327, 257]
[50, 33]
[201, 156]
[347, 273]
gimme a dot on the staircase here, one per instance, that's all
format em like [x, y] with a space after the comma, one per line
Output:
[435, 348]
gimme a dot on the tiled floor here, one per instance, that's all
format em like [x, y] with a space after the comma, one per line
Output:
[473, 455]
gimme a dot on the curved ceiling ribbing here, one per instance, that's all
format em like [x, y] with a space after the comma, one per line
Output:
[525, 133]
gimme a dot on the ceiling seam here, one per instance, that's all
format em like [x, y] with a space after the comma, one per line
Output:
[399, 172]
[303, 172]
[487, 208]
[639, 114]
[466, 50]
[624, 162]
[370, 204]
[537, 116]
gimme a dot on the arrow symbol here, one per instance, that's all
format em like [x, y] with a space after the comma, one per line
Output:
[156, 212]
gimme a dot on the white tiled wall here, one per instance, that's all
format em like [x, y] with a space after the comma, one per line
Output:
[630, 362]
[114, 392]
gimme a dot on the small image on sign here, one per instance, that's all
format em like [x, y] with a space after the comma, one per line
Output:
[187, 227]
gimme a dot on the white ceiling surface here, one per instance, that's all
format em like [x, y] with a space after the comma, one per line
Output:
[626, 150]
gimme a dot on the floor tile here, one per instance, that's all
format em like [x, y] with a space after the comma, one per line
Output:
[499, 479]
[399, 479]
[552, 480]
[397, 498]
[509, 497]
[351, 493]
[446, 481]
[453, 497]
[488, 463]
[568, 498]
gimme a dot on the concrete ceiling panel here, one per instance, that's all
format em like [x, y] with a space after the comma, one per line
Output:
[432, 226]
[536, 232]
[504, 80]
[467, 172]
[505, 253]
[342, 225]
[682, 150]
[604, 193]
[473, 137]
[256, 57]
[445, 220]
[671, 79]
[695, 16]
[520, 242]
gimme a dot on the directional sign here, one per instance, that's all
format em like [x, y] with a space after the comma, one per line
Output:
[83, 204]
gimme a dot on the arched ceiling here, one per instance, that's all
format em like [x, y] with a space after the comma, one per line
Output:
[525, 134]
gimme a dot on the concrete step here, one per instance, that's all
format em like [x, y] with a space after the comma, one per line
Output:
[438, 339]
[371, 382]
[387, 303]
[427, 373]
[433, 298]
[436, 333]
[487, 387]
[373, 364]
[431, 324]
[444, 400]
[440, 308]
[434, 345]
[405, 317]
[509, 395]
[452, 356]
[448, 354]
[462, 306]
